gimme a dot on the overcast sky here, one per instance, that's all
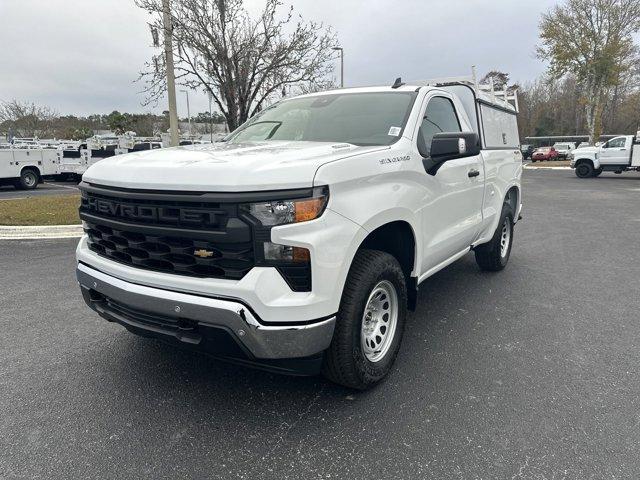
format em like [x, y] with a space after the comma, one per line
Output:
[83, 56]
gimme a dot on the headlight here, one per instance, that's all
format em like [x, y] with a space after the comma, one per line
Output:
[282, 212]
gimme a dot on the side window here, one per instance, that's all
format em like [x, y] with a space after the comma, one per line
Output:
[616, 143]
[439, 117]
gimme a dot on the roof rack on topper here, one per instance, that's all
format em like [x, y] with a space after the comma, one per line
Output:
[486, 92]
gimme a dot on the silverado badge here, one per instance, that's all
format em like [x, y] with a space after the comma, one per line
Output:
[202, 253]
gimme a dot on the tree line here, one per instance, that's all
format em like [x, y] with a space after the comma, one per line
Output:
[27, 119]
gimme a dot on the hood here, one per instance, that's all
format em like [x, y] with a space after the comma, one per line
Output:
[586, 150]
[250, 166]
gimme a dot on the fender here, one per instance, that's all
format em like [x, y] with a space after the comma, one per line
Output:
[590, 156]
[395, 214]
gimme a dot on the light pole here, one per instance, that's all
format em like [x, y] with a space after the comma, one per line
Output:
[186, 92]
[341, 65]
[210, 119]
[171, 81]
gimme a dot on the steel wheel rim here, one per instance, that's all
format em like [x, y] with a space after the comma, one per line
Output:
[505, 238]
[379, 321]
[30, 179]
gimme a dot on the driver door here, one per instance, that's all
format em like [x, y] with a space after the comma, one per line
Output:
[615, 152]
[452, 215]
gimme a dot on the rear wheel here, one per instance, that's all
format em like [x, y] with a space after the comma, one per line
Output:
[28, 180]
[584, 170]
[370, 322]
[494, 255]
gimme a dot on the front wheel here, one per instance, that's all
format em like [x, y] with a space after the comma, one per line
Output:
[494, 255]
[370, 322]
[584, 170]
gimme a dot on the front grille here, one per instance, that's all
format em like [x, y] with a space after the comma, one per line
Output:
[183, 237]
[170, 254]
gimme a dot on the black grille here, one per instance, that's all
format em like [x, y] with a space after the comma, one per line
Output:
[186, 238]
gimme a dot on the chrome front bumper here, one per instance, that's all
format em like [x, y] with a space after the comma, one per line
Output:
[185, 318]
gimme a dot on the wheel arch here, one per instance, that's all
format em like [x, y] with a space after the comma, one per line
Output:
[32, 168]
[513, 197]
[594, 163]
[398, 239]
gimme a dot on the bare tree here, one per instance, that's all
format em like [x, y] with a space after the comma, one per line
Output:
[500, 79]
[592, 39]
[26, 119]
[243, 62]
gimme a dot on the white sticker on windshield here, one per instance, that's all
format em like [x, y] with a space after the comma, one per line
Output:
[394, 131]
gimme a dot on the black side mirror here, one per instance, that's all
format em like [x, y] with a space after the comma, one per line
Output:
[448, 146]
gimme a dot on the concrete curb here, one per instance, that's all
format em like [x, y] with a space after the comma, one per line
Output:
[40, 232]
[547, 168]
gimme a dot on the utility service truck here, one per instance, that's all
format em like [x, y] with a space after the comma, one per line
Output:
[25, 167]
[619, 154]
[299, 243]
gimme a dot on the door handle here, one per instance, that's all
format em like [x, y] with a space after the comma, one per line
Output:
[473, 173]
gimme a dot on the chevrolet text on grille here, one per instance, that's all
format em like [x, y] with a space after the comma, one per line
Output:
[150, 213]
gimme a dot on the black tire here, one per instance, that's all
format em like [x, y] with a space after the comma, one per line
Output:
[584, 170]
[28, 180]
[345, 361]
[491, 256]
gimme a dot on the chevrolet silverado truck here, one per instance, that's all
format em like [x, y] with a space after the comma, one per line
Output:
[617, 155]
[298, 244]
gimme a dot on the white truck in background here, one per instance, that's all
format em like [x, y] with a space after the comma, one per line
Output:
[619, 154]
[299, 242]
[564, 148]
[25, 167]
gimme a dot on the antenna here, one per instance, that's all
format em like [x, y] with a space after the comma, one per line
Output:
[398, 83]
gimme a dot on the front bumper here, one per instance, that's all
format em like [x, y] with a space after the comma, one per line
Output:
[222, 327]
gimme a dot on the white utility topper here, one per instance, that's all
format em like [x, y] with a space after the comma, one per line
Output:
[619, 154]
[298, 244]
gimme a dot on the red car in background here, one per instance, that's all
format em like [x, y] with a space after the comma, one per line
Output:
[544, 153]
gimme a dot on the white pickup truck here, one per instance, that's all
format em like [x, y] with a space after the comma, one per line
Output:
[619, 154]
[298, 244]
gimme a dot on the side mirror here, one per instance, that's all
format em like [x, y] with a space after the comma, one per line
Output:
[448, 146]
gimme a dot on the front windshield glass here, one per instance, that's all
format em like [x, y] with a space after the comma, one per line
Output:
[357, 118]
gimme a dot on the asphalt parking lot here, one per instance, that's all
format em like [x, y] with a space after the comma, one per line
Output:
[44, 189]
[533, 372]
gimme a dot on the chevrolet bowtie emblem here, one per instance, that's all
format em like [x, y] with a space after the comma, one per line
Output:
[203, 253]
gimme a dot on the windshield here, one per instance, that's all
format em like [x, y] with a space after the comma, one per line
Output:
[357, 118]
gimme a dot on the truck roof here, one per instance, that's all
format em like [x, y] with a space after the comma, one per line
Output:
[481, 94]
